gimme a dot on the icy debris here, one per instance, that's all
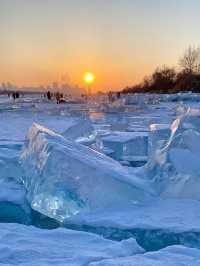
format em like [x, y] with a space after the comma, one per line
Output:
[190, 119]
[9, 159]
[12, 191]
[64, 178]
[102, 129]
[81, 131]
[158, 136]
[13, 204]
[127, 145]
[30, 246]
[170, 256]
[115, 107]
[174, 166]
[137, 99]
[135, 161]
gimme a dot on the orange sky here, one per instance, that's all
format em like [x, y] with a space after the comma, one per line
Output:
[120, 41]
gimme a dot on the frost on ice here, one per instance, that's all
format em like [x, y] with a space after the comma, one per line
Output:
[64, 178]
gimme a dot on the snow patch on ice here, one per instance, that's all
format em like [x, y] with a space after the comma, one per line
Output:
[22, 245]
[171, 256]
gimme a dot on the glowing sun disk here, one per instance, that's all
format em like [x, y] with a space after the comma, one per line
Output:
[89, 77]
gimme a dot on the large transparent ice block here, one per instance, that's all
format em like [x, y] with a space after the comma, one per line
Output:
[64, 178]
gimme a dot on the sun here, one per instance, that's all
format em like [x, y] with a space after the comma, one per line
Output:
[89, 77]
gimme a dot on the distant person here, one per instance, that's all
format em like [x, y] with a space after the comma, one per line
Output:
[110, 97]
[118, 95]
[14, 96]
[57, 97]
[48, 95]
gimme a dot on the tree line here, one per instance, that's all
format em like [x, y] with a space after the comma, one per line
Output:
[167, 80]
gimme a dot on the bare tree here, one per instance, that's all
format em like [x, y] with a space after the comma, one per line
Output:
[190, 61]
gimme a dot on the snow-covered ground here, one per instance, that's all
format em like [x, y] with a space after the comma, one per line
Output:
[107, 173]
[23, 245]
[171, 256]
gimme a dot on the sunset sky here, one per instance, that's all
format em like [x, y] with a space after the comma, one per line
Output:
[121, 41]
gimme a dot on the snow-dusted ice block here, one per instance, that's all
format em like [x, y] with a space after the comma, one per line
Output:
[30, 246]
[170, 256]
[64, 178]
[127, 144]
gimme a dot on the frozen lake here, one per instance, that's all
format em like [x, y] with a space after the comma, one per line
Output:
[121, 179]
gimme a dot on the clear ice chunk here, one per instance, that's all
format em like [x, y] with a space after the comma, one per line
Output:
[174, 166]
[81, 129]
[127, 146]
[64, 178]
